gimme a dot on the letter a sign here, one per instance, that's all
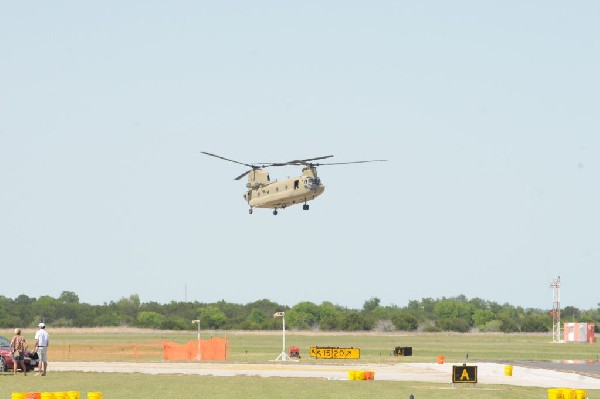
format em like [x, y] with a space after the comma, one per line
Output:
[464, 374]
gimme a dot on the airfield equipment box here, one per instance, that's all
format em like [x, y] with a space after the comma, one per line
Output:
[403, 351]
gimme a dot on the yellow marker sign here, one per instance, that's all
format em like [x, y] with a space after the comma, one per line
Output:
[464, 374]
[328, 352]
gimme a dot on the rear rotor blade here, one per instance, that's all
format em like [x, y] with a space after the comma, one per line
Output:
[346, 163]
[299, 161]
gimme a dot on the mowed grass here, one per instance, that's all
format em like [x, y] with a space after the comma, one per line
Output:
[261, 347]
[126, 386]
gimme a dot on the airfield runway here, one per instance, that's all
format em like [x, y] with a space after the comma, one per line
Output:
[487, 373]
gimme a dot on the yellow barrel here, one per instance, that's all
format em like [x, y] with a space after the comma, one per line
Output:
[47, 395]
[18, 395]
[508, 371]
[360, 375]
[94, 395]
[555, 393]
[440, 359]
[73, 395]
[568, 393]
[60, 395]
[580, 394]
[351, 375]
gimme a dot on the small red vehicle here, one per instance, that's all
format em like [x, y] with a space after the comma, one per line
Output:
[295, 352]
[6, 357]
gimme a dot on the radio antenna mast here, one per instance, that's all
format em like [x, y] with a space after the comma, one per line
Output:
[555, 285]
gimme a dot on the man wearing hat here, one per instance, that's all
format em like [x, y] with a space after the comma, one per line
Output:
[41, 346]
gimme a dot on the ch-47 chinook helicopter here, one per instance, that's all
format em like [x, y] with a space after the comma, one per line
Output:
[263, 193]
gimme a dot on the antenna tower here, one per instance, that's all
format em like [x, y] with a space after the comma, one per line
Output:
[555, 285]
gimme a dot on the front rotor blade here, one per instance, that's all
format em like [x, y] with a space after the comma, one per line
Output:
[243, 174]
[227, 159]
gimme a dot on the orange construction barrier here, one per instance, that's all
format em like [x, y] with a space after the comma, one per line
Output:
[212, 349]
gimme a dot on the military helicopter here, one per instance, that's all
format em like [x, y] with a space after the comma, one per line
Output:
[263, 193]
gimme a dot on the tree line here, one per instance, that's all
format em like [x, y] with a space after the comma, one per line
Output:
[458, 314]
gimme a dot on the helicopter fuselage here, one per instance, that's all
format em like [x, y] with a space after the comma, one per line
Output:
[284, 193]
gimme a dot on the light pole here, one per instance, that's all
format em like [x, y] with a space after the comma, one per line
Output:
[199, 355]
[283, 356]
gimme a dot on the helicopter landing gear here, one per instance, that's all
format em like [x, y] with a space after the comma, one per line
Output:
[250, 211]
[305, 207]
[274, 211]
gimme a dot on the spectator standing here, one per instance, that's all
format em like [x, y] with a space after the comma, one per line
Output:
[18, 344]
[41, 347]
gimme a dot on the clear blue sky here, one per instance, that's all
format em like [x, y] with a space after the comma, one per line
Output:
[486, 111]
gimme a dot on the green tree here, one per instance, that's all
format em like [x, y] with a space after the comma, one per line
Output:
[371, 304]
[304, 315]
[68, 297]
[255, 320]
[536, 322]
[511, 318]
[85, 315]
[45, 309]
[109, 318]
[234, 314]
[448, 310]
[129, 308]
[483, 316]
[355, 321]
[329, 316]
[150, 319]
[492, 326]
[592, 316]
[24, 300]
[174, 322]
[570, 313]
[212, 317]
[405, 321]
[6, 319]
[458, 325]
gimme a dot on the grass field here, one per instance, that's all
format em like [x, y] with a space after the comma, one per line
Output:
[123, 386]
[253, 347]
